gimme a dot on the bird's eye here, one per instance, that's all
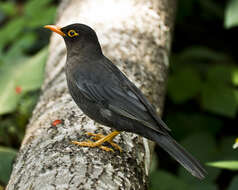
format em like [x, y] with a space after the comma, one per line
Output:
[72, 33]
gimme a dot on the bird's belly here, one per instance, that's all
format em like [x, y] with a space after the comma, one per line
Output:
[101, 114]
[92, 109]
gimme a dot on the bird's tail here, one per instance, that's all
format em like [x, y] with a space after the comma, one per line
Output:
[180, 154]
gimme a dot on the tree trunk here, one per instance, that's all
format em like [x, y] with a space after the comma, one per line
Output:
[136, 36]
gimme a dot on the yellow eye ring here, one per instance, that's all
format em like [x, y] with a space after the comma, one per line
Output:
[72, 33]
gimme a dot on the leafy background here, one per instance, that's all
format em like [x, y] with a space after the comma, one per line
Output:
[202, 99]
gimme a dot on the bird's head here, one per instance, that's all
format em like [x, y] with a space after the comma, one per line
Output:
[77, 37]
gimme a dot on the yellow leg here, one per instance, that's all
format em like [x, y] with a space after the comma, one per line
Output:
[101, 140]
[101, 146]
[100, 136]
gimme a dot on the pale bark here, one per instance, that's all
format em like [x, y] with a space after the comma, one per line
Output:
[136, 36]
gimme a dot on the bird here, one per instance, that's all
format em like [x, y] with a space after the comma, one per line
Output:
[108, 97]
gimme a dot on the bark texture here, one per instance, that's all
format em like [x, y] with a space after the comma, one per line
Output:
[136, 36]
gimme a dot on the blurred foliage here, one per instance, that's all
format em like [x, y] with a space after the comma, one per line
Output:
[231, 14]
[212, 85]
[234, 184]
[202, 100]
[231, 165]
[19, 78]
[6, 158]
[162, 180]
[22, 59]
[235, 145]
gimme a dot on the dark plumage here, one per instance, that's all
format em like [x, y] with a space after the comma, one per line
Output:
[106, 95]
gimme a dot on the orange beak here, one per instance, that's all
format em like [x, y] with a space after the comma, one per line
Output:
[55, 29]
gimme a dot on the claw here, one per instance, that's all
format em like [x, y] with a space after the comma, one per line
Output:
[100, 139]
[100, 136]
[106, 148]
[116, 146]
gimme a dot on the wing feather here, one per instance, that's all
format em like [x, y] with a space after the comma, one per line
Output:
[119, 102]
[114, 90]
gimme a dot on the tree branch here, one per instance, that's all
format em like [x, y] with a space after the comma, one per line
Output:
[136, 36]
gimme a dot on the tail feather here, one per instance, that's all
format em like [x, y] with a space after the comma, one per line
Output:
[180, 154]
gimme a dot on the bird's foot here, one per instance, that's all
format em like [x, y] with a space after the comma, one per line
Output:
[100, 139]
[92, 144]
[100, 136]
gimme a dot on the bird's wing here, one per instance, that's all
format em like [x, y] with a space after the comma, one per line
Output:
[122, 102]
[123, 97]
[132, 89]
[146, 103]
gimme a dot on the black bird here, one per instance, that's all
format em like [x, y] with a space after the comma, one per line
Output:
[107, 96]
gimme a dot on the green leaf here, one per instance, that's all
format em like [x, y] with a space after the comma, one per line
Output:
[33, 12]
[8, 8]
[19, 78]
[234, 76]
[30, 75]
[220, 99]
[234, 184]
[39, 19]
[221, 73]
[17, 49]
[231, 165]
[11, 31]
[184, 85]
[8, 98]
[6, 158]
[231, 14]
[218, 96]
[199, 54]
[33, 6]
[163, 180]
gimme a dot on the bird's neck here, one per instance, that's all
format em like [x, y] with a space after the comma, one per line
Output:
[85, 49]
[83, 55]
